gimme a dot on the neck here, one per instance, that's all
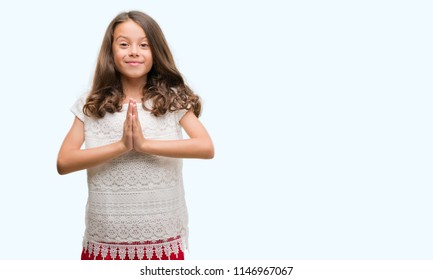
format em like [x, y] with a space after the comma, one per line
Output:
[133, 88]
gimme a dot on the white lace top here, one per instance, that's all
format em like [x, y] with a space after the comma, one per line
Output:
[136, 202]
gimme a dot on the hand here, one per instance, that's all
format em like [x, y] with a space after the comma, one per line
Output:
[127, 137]
[137, 133]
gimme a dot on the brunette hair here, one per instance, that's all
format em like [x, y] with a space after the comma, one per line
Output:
[165, 86]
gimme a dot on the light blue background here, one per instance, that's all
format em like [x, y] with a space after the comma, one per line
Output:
[320, 111]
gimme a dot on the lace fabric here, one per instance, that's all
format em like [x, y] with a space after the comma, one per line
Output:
[143, 251]
[136, 202]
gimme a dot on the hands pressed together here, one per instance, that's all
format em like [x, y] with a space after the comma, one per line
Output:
[132, 138]
[72, 158]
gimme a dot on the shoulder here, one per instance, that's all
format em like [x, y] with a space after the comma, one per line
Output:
[81, 99]
[77, 107]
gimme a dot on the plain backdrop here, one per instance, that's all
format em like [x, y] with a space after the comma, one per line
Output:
[320, 112]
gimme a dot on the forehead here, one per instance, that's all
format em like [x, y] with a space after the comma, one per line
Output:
[129, 29]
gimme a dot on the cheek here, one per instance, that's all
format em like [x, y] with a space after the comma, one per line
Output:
[117, 54]
[149, 57]
[116, 62]
[118, 58]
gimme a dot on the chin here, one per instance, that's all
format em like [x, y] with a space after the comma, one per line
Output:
[135, 76]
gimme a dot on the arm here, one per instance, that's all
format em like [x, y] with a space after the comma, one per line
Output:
[199, 144]
[71, 158]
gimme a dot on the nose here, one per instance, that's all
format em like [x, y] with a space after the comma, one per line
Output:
[133, 51]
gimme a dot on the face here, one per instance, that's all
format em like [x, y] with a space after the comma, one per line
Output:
[131, 51]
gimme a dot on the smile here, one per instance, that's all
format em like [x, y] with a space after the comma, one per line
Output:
[134, 63]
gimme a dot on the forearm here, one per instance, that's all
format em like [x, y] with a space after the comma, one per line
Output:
[76, 159]
[187, 148]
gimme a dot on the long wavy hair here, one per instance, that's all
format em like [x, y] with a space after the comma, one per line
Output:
[165, 86]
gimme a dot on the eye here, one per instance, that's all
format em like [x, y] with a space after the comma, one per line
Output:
[123, 45]
[144, 45]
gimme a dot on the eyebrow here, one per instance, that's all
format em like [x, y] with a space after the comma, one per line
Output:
[126, 37]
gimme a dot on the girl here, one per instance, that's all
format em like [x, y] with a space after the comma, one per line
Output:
[131, 124]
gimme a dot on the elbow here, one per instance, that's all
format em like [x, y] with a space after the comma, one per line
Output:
[208, 151]
[61, 167]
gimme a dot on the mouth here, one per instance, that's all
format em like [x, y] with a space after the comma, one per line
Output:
[134, 63]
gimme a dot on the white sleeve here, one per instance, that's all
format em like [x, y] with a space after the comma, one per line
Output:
[77, 108]
[179, 114]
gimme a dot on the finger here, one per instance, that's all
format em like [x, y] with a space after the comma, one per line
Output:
[134, 119]
[137, 123]
[129, 107]
[128, 121]
[128, 110]
[135, 110]
[127, 115]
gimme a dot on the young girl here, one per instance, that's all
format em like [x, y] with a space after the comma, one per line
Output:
[131, 124]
